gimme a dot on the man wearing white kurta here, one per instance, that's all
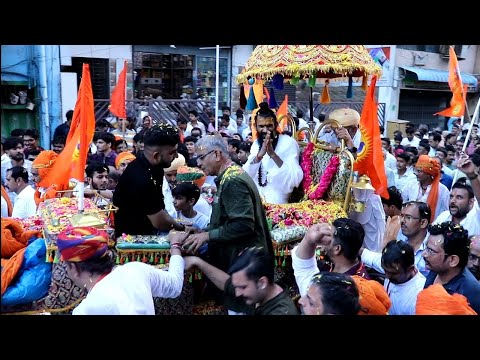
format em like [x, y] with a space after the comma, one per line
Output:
[273, 163]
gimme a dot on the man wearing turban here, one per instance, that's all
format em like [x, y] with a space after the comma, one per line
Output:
[117, 290]
[348, 121]
[41, 166]
[122, 160]
[427, 187]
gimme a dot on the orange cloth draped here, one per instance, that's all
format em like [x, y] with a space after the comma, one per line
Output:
[72, 160]
[117, 104]
[14, 242]
[370, 156]
[44, 163]
[9, 202]
[282, 111]
[374, 299]
[457, 103]
[435, 300]
[431, 167]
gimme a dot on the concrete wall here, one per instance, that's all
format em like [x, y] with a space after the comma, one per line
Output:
[240, 55]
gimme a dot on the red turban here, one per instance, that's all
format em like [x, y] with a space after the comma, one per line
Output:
[82, 243]
[374, 299]
[126, 155]
[435, 300]
[431, 166]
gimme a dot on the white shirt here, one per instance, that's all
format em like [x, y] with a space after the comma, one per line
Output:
[303, 269]
[7, 164]
[280, 180]
[391, 161]
[4, 208]
[129, 289]
[199, 221]
[413, 192]
[202, 206]
[404, 296]
[471, 222]
[403, 180]
[190, 126]
[168, 199]
[25, 204]
[373, 222]
[414, 142]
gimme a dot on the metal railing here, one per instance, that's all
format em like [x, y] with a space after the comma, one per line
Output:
[170, 111]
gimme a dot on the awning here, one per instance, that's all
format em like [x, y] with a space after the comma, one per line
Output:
[439, 75]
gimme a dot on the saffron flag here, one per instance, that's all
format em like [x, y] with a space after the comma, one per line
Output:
[72, 160]
[457, 103]
[117, 102]
[370, 156]
[282, 115]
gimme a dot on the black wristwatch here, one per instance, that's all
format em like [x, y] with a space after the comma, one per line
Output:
[352, 149]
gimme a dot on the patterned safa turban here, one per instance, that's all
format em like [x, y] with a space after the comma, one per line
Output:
[82, 243]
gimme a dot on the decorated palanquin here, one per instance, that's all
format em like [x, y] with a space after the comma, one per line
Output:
[323, 195]
[55, 215]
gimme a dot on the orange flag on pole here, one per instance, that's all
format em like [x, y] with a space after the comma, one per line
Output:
[370, 156]
[72, 160]
[282, 111]
[457, 104]
[117, 101]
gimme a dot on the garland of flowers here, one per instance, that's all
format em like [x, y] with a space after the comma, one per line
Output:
[312, 191]
[305, 213]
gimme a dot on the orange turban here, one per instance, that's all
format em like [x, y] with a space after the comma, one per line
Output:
[435, 300]
[374, 299]
[126, 155]
[431, 166]
[44, 162]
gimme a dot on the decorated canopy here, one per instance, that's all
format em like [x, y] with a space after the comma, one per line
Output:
[309, 61]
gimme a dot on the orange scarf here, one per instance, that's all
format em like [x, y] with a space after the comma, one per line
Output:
[9, 202]
[431, 166]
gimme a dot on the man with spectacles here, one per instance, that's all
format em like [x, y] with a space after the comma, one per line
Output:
[446, 256]
[414, 221]
[238, 218]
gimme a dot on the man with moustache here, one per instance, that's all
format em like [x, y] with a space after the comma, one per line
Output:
[463, 209]
[273, 163]
[238, 218]
[14, 148]
[138, 195]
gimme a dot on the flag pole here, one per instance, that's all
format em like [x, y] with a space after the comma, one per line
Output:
[474, 121]
[217, 66]
[464, 94]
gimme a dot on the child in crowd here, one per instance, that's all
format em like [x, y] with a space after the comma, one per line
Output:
[185, 196]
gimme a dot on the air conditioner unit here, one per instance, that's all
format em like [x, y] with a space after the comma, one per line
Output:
[460, 51]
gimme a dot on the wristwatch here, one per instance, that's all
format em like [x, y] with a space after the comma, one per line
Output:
[353, 149]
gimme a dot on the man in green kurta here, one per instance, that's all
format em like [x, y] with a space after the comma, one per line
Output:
[238, 218]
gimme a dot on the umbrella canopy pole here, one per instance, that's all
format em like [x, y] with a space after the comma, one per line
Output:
[311, 123]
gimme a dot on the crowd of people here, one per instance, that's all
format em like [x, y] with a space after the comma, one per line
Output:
[206, 190]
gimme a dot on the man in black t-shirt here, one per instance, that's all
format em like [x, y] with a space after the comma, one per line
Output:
[138, 195]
